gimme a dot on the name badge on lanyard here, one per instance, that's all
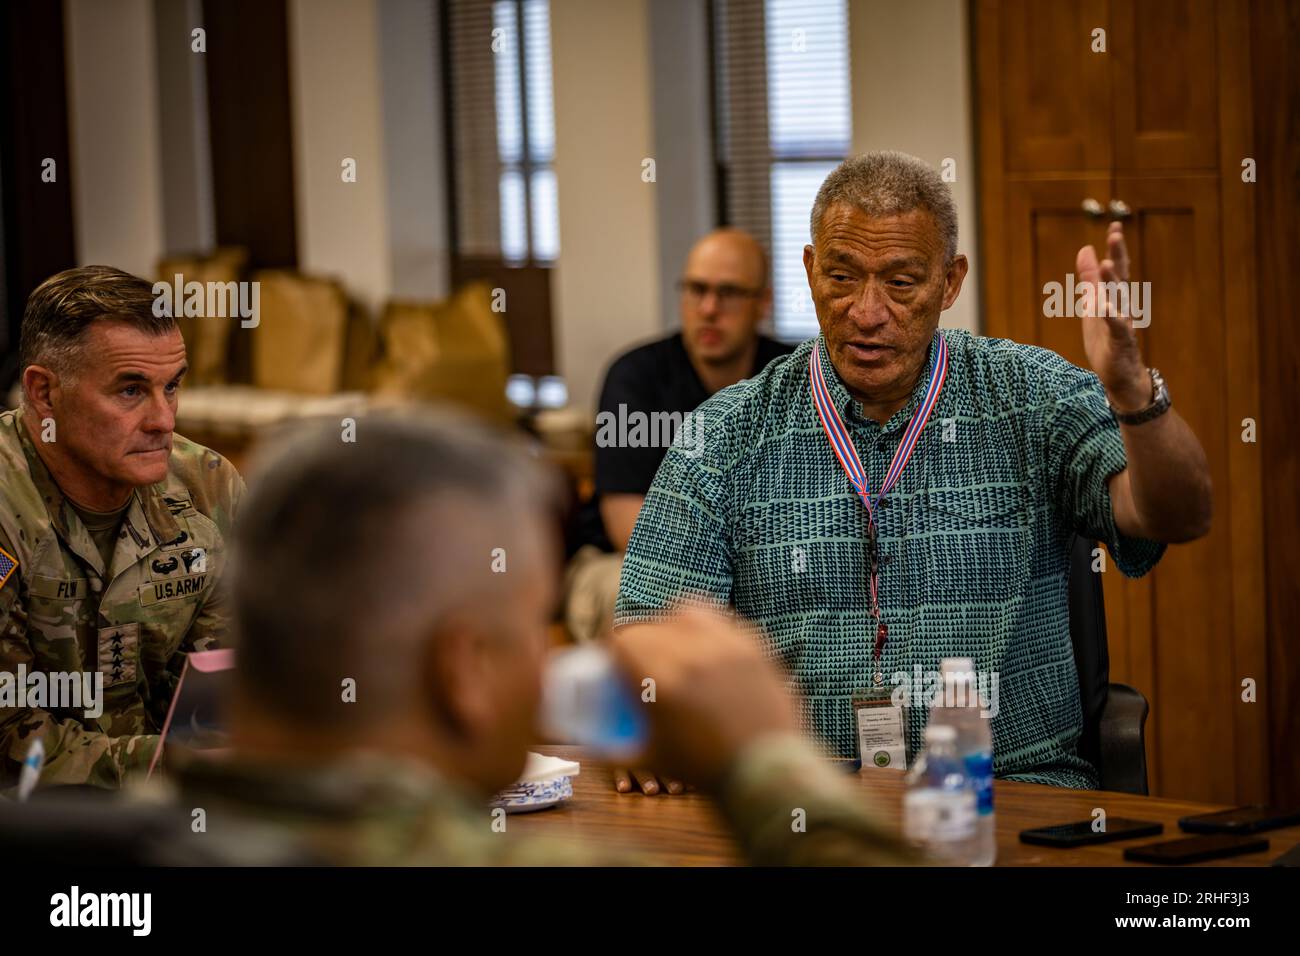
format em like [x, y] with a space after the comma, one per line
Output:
[881, 726]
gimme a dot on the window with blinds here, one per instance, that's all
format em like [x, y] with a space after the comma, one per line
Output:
[502, 130]
[783, 121]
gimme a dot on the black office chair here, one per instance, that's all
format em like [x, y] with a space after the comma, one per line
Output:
[1114, 715]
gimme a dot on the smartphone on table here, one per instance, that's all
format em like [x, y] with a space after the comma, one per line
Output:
[1082, 833]
[1242, 820]
[1195, 849]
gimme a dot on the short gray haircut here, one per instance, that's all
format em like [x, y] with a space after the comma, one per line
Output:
[348, 555]
[888, 183]
[62, 308]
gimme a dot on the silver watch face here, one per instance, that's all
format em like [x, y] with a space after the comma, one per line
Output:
[1160, 390]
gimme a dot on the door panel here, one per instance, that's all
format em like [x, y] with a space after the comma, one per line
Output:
[1056, 93]
[1047, 225]
[1166, 103]
[1176, 246]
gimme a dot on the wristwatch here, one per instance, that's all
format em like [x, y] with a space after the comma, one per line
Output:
[1160, 403]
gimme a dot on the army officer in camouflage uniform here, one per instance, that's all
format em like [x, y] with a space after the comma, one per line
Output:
[112, 527]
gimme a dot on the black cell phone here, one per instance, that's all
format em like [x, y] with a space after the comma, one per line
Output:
[1195, 849]
[1242, 820]
[1082, 833]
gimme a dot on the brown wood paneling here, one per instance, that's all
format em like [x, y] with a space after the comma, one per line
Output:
[1055, 91]
[1275, 36]
[1160, 641]
[251, 129]
[1252, 764]
[992, 231]
[1176, 242]
[1165, 97]
[1046, 226]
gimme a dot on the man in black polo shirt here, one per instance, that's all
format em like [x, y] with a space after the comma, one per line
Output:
[724, 296]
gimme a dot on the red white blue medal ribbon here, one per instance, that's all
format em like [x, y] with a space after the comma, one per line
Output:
[842, 445]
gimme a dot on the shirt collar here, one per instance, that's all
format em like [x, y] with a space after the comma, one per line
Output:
[848, 406]
[44, 482]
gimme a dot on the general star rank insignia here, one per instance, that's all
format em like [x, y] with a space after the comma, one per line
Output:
[119, 654]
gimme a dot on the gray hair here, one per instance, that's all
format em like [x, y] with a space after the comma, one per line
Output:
[887, 184]
[348, 555]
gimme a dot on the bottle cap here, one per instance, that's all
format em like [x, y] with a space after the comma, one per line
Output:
[961, 665]
[940, 734]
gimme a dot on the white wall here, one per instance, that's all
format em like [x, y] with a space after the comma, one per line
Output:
[911, 92]
[335, 88]
[113, 120]
[605, 288]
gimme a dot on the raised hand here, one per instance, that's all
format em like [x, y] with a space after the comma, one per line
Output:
[1108, 337]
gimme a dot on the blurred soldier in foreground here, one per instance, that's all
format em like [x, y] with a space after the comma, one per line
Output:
[112, 532]
[372, 565]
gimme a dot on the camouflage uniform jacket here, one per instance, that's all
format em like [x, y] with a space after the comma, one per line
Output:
[62, 611]
[367, 809]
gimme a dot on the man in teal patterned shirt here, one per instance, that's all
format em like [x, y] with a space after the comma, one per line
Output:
[1020, 450]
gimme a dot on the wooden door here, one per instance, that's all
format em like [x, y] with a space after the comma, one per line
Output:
[1169, 102]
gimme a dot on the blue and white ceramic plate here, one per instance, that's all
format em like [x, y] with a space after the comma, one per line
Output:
[524, 797]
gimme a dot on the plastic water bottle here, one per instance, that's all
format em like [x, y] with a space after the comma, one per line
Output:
[939, 807]
[587, 701]
[960, 707]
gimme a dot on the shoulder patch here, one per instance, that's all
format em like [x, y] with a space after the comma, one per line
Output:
[8, 565]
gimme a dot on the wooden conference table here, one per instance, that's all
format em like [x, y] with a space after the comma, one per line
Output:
[686, 830]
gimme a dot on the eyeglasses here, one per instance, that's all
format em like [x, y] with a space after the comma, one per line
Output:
[729, 296]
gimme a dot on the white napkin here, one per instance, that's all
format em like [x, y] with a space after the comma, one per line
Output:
[539, 768]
